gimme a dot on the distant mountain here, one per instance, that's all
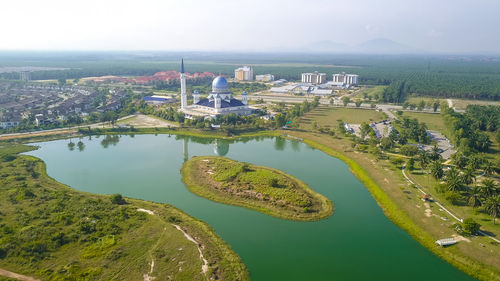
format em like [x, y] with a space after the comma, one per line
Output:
[384, 46]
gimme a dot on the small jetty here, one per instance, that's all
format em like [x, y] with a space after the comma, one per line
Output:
[446, 242]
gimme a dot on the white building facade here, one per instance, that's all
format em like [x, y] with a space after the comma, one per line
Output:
[348, 79]
[264, 77]
[244, 73]
[314, 78]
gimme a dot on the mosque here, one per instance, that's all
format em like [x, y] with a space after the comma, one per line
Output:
[219, 101]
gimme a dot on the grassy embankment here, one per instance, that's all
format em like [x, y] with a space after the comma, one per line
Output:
[263, 189]
[401, 202]
[52, 232]
[373, 92]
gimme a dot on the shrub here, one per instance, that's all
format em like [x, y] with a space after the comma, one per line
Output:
[409, 150]
[396, 161]
[118, 199]
[452, 196]
[173, 219]
[274, 182]
[470, 227]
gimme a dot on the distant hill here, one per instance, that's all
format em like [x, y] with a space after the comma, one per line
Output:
[384, 46]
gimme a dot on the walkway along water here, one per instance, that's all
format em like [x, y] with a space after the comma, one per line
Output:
[441, 206]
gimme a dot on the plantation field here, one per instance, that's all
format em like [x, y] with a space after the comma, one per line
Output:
[260, 188]
[472, 77]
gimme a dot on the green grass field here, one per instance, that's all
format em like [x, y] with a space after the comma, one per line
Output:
[432, 120]
[373, 92]
[260, 188]
[327, 116]
[51, 232]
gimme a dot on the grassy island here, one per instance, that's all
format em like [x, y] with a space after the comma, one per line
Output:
[264, 189]
[49, 231]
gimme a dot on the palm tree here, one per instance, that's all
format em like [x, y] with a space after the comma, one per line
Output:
[437, 169]
[492, 206]
[475, 197]
[453, 180]
[488, 188]
[468, 176]
[423, 159]
[488, 168]
[435, 153]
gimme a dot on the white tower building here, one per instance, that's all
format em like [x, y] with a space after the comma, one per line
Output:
[196, 97]
[183, 87]
[217, 101]
[244, 98]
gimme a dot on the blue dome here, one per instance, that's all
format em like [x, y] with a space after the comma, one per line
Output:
[219, 84]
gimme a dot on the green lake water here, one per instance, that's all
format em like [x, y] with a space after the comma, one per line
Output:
[356, 243]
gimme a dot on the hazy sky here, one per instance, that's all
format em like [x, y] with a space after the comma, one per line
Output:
[431, 25]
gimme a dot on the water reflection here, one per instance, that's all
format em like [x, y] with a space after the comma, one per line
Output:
[110, 140]
[279, 143]
[81, 146]
[221, 147]
[71, 145]
[295, 145]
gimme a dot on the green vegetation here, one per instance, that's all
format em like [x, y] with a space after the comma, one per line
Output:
[260, 188]
[464, 189]
[52, 232]
[468, 130]
[327, 117]
[432, 121]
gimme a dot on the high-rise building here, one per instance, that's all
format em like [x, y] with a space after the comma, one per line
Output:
[25, 75]
[244, 73]
[314, 78]
[348, 79]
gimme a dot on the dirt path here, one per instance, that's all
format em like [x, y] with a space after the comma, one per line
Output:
[144, 121]
[204, 267]
[14, 275]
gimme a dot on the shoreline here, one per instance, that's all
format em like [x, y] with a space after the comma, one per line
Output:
[396, 215]
[199, 190]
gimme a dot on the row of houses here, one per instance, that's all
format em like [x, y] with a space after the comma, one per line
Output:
[46, 104]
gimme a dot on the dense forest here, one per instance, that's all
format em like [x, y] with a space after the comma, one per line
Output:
[468, 130]
[476, 77]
